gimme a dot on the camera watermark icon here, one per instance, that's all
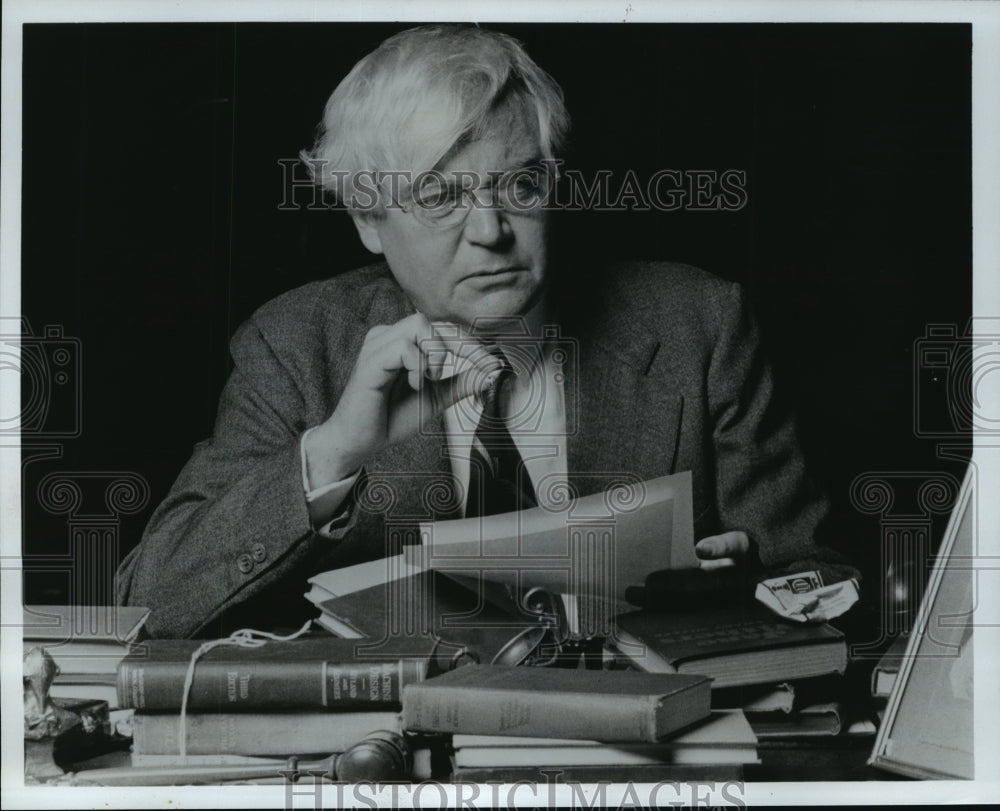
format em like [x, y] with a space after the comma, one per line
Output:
[48, 367]
[543, 364]
[956, 380]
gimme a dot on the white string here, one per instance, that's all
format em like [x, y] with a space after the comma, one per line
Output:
[243, 638]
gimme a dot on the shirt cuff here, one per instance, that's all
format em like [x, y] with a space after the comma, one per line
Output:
[328, 506]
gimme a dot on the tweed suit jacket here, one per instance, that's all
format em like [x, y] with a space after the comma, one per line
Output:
[667, 377]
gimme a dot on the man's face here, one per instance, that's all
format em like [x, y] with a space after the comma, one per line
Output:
[491, 265]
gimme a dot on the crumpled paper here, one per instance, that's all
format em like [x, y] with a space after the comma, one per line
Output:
[42, 717]
[803, 597]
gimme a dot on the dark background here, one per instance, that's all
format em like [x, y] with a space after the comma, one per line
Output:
[151, 226]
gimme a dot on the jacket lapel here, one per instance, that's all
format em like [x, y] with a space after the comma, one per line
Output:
[623, 405]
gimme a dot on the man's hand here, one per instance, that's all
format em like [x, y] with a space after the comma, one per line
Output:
[718, 551]
[396, 384]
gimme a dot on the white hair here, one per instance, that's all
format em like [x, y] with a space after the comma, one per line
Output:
[405, 105]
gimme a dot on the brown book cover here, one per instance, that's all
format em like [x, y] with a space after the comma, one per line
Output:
[733, 646]
[258, 733]
[598, 705]
[317, 672]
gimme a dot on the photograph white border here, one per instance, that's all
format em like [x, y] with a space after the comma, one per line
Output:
[985, 18]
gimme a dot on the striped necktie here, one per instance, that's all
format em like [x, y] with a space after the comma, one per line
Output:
[498, 479]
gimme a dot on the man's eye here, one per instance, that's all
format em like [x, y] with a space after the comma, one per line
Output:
[436, 196]
[526, 186]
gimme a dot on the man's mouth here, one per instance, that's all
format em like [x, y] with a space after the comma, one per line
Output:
[486, 272]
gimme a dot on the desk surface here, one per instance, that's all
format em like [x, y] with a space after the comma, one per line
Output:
[839, 758]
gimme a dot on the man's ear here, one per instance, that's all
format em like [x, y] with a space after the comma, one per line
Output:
[368, 231]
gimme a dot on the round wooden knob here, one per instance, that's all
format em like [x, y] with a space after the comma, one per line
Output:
[383, 755]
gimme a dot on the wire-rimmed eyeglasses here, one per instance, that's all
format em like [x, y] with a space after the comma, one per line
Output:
[438, 201]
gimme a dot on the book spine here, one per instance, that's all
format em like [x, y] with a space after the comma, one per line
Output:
[257, 734]
[265, 685]
[545, 714]
[556, 775]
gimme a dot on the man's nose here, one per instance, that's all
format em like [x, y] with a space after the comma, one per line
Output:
[487, 225]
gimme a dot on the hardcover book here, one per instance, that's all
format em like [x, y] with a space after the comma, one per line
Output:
[599, 773]
[813, 720]
[277, 734]
[756, 698]
[79, 686]
[554, 702]
[349, 579]
[83, 639]
[734, 646]
[319, 672]
[725, 737]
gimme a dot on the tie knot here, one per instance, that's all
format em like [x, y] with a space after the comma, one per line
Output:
[489, 396]
[497, 352]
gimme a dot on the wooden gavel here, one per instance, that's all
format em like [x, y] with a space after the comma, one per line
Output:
[382, 756]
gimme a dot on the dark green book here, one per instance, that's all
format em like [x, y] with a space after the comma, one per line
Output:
[734, 646]
[315, 673]
[596, 705]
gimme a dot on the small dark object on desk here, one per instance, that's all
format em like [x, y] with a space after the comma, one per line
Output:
[78, 745]
[549, 643]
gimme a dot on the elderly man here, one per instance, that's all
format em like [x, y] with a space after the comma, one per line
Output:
[441, 145]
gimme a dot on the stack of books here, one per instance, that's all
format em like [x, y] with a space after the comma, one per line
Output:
[329, 587]
[516, 723]
[786, 676]
[313, 696]
[87, 643]
[886, 672]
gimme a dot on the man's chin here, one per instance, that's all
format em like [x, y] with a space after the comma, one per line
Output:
[498, 307]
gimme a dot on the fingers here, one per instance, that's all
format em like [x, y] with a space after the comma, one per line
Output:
[427, 351]
[720, 551]
[716, 563]
[733, 544]
[459, 360]
[445, 393]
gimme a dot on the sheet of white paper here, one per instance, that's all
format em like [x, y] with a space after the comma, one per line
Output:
[597, 545]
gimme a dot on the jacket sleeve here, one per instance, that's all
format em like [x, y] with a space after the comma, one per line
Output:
[762, 486]
[236, 519]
